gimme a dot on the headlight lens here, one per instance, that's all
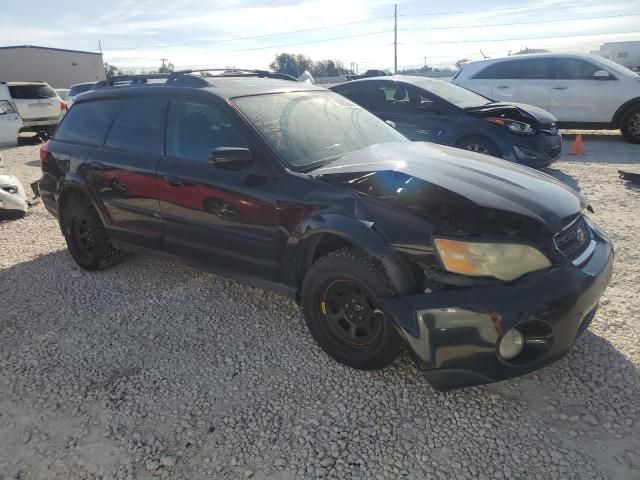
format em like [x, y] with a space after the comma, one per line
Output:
[504, 261]
[513, 125]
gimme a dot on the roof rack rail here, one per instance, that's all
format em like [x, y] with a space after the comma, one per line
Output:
[174, 78]
[183, 78]
[241, 72]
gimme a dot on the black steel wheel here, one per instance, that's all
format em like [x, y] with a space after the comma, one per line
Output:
[86, 237]
[351, 314]
[339, 301]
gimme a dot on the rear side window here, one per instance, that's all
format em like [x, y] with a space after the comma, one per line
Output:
[572, 69]
[138, 126]
[78, 89]
[530, 69]
[31, 92]
[87, 123]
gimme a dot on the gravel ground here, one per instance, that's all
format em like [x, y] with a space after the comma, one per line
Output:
[150, 369]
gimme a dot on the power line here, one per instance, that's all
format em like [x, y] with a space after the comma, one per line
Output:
[253, 37]
[518, 23]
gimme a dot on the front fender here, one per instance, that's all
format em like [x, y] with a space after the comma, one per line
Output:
[361, 234]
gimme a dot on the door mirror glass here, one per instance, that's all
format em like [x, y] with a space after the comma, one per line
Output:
[231, 158]
[601, 75]
[5, 107]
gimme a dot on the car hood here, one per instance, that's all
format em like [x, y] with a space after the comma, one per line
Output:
[442, 182]
[514, 111]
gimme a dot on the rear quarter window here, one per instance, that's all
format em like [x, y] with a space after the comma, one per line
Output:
[31, 92]
[138, 126]
[88, 123]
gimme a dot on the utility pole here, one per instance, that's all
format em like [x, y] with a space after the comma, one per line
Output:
[395, 39]
[163, 64]
[100, 46]
[425, 63]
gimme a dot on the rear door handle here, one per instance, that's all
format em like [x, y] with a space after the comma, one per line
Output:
[502, 87]
[560, 87]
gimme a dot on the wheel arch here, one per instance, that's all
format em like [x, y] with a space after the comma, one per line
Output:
[617, 117]
[325, 234]
[70, 188]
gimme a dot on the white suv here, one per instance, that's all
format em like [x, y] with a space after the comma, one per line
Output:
[581, 91]
[38, 104]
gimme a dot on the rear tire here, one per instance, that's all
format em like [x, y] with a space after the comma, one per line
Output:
[86, 237]
[339, 295]
[630, 124]
[479, 144]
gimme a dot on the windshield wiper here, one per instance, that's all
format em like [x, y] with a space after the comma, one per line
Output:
[309, 167]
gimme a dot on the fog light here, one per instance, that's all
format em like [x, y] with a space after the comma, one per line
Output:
[511, 344]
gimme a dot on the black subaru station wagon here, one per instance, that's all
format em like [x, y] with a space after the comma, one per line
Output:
[481, 268]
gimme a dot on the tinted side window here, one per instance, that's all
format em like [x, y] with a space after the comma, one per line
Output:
[572, 69]
[360, 93]
[531, 69]
[194, 129]
[138, 126]
[88, 123]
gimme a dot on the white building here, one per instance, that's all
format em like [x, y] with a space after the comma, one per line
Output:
[58, 67]
[624, 53]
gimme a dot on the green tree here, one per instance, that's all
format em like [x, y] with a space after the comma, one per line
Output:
[110, 70]
[291, 64]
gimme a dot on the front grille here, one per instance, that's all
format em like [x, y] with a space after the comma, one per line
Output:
[574, 239]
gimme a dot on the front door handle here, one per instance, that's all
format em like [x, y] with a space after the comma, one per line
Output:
[502, 87]
[560, 87]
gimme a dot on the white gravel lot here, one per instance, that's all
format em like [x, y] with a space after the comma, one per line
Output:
[150, 369]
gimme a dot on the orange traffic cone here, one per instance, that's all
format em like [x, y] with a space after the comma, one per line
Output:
[578, 147]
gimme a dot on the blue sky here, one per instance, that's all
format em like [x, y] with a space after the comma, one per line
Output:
[192, 33]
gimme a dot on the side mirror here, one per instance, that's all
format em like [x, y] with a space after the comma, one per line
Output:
[601, 75]
[390, 123]
[231, 158]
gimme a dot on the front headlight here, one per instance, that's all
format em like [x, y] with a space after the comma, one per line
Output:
[513, 125]
[504, 261]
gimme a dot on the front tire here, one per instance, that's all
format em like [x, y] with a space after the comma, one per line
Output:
[630, 125]
[338, 297]
[86, 237]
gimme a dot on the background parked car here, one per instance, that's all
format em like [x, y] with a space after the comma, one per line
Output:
[76, 90]
[425, 109]
[38, 105]
[582, 91]
[10, 121]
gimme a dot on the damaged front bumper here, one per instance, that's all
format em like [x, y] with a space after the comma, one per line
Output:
[454, 335]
